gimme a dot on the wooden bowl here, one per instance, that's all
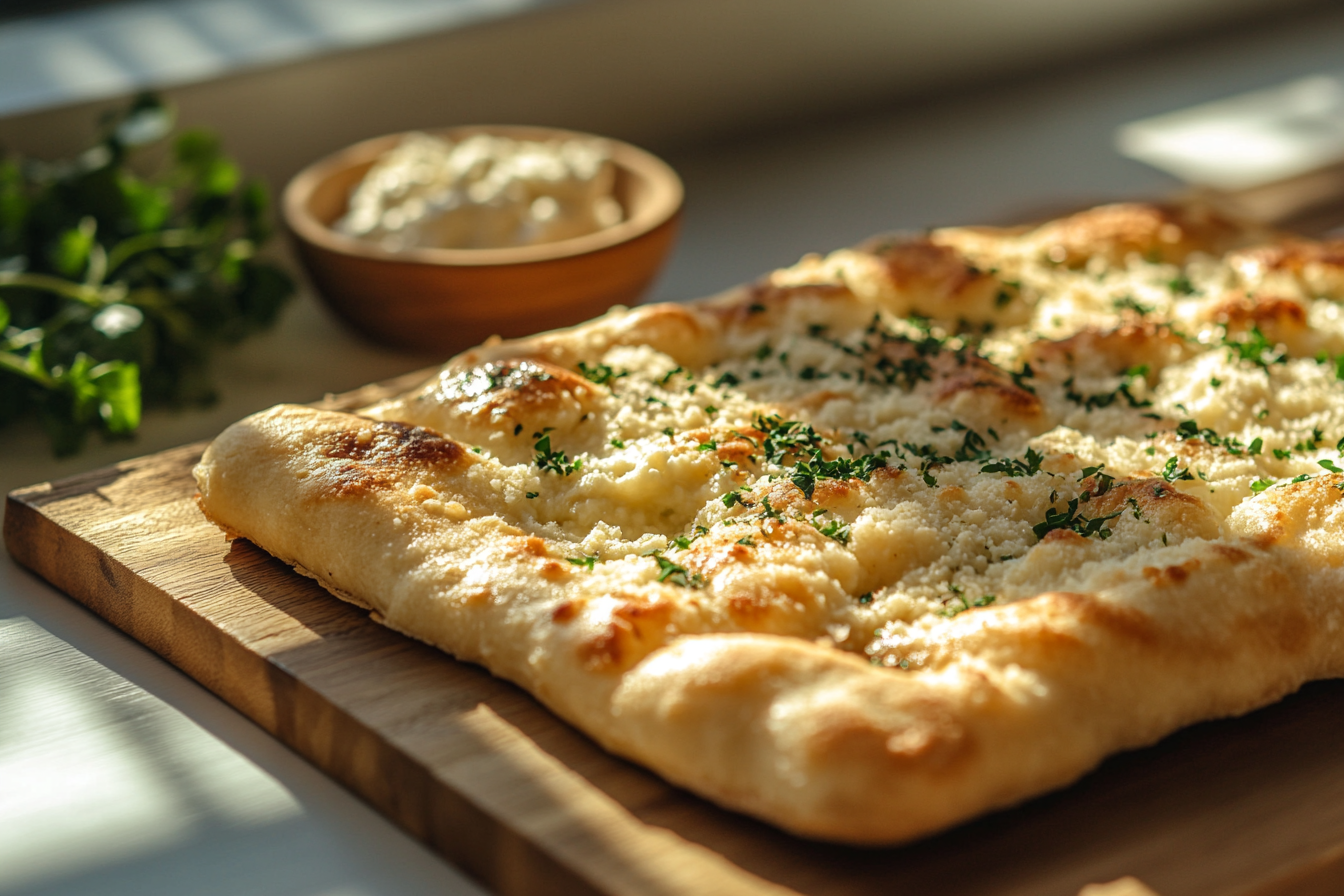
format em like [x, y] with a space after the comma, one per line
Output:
[447, 300]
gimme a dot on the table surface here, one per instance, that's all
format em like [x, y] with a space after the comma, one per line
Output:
[122, 776]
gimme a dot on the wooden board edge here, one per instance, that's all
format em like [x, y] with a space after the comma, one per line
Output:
[460, 830]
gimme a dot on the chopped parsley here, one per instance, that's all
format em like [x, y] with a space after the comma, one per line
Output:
[602, 374]
[1172, 473]
[1069, 518]
[1129, 303]
[1181, 285]
[1312, 443]
[835, 529]
[1256, 348]
[1103, 481]
[786, 437]
[586, 562]
[675, 573]
[806, 473]
[736, 496]
[683, 542]
[1020, 378]
[553, 461]
[726, 379]
[1189, 429]
[1106, 399]
[958, 602]
[1029, 465]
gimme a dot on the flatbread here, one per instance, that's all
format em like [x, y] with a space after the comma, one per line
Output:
[890, 538]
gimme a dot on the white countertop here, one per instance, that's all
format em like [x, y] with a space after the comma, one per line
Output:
[119, 775]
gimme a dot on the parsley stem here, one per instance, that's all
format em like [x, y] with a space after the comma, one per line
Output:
[148, 242]
[80, 292]
[15, 364]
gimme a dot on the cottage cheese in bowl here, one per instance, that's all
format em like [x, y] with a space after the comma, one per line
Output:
[483, 192]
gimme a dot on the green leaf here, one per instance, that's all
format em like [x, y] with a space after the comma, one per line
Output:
[149, 205]
[14, 206]
[254, 204]
[219, 178]
[196, 148]
[4, 317]
[70, 256]
[118, 388]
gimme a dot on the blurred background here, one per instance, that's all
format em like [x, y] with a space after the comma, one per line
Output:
[948, 97]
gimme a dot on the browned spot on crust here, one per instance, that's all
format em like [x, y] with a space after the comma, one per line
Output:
[930, 737]
[785, 495]
[749, 609]
[758, 299]
[740, 446]
[834, 491]
[1168, 233]
[815, 400]
[1059, 536]
[1145, 492]
[516, 388]
[1158, 501]
[533, 547]
[1230, 553]
[634, 629]
[1271, 534]
[1291, 255]
[1277, 317]
[955, 374]
[764, 291]
[708, 556]
[672, 329]
[891, 474]
[376, 455]
[564, 611]
[922, 266]
[1162, 577]
[1127, 623]
[1117, 349]
[553, 569]
[951, 494]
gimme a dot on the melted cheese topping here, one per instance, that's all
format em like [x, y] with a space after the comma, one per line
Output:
[869, 444]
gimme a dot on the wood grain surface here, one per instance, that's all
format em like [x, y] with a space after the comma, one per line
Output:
[473, 766]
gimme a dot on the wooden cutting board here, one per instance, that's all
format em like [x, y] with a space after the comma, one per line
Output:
[477, 769]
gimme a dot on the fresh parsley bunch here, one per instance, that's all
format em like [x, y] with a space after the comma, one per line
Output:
[115, 286]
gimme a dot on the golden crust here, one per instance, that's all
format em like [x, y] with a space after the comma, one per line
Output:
[885, 540]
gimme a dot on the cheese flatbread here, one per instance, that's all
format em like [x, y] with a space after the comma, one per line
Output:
[887, 539]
